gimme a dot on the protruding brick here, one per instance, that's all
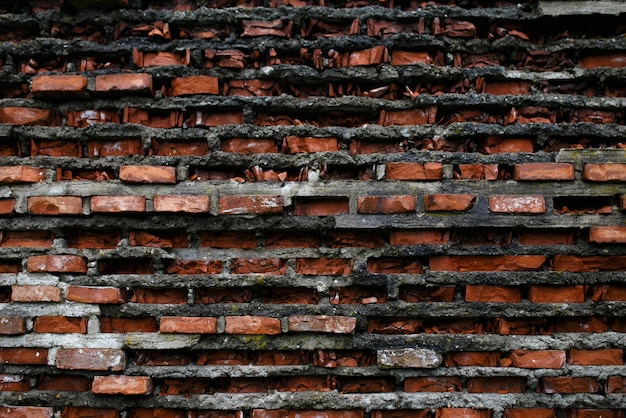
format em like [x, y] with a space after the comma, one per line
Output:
[600, 357]
[118, 204]
[57, 264]
[616, 60]
[326, 266]
[12, 325]
[35, 293]
[408, 358]
[181, 203]
[55, 205]
[148, 174]
[448, 202]
[517, 204]
[122, 385]
[537, 359]
[568, 385]
[576, 263]
[7, 206]
[607, 234]
[605, 172]
[556, 294]
[91, 359]
[99, 295]
[492, 294]
[297, 144]
[544, 171]
[413, 171]
[188, 325]
[386, 204]
[131, 83]
[199, 84]
[21, 174]
[262, 205]
[252, 325]
[26, 412]
[34, 356]
[322, 323]
[27, 116]
[487, 263]
[59, 86]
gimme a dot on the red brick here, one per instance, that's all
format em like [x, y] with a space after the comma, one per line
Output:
[148, 174]
[546, 237]
[262, 205]
[252, 325]
[159, 59]
[600, 357]
[297, 144]
[401, 413]
[419, 237]
[506, 87]
[181, 148]
[529, 412]
[132, 83]
[84, 412]
[216, 118]
[173, 296]
[164, 413]
[299, 413]
[57, 264]
[21, 174]
[26, 412]
[7, 206]
[501, 385]
[603, 293]
[575, 263]
[462, 413]
[543, 171]
[320, 206]
[35, 294]
[427, 293]
[517, 204]
[492, 294]
[433, 384]
[616, 384]
[538, 359]
[250, 88]
[497, 145]
[56, 148]
[153, 118]
[410, 58]
[55, 205]
[99, 295]
[13, 383]
[322, 323]
[28, 116]
[59, 86]
[60, 325]
[407, 117]
[200, 84]
[472, 359]
[93, 238]
[193, 267]
[616, 60]
[249, 146]
[622, 204]
[362, 239]
[556, 294]
[116, 148]
[188, 325]
[394, 265]
[84, 118]
[159, 239]
[32, 239]
[413, 171]
[324, 266]
[91, 359]
[12, 325]
[182, 203]
[125, 325]
[487, 263]
[595, 413]
[605, 172]
[227, 239]
[607, 234]
[386, 204]
[568, 385]
[448, 202]
[118, 204]
[270, 266]
[121, 385]
[34, 356]
[67, 383]
[477, 172]
[370, 56]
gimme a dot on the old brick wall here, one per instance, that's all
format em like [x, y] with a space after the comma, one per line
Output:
[341, 208]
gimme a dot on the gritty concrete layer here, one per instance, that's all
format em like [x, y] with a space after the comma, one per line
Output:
[581, 7]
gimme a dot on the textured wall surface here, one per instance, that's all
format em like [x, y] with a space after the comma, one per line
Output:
[341, 208]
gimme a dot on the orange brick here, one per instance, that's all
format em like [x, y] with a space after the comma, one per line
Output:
[7, 206]
[607, 234]
[600, 357]
[236, 205]
[605, 172]
[413, 171]
[148, 174]
[448, 202]
[188, 325]
[99, 295]
[28, 116]
[419, 237]
[132, 83]
[200, 84]
[122, 385]
[492, 294]
[59, 86]
[21, 174]
[113, 204]
[26, 412]
[539, 359]
[556, 294]
[252, 325]
[60, 325]
[326, 266]
[543, 171]
[386, 204]
[187, 204]
[320, 206]
[57, 264]
[487, 263]
[322, 323]
[297, 144]
[55, 205]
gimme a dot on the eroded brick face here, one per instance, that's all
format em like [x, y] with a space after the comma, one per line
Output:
[312, 209]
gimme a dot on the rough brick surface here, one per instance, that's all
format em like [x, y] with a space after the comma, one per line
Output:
[309, 209]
